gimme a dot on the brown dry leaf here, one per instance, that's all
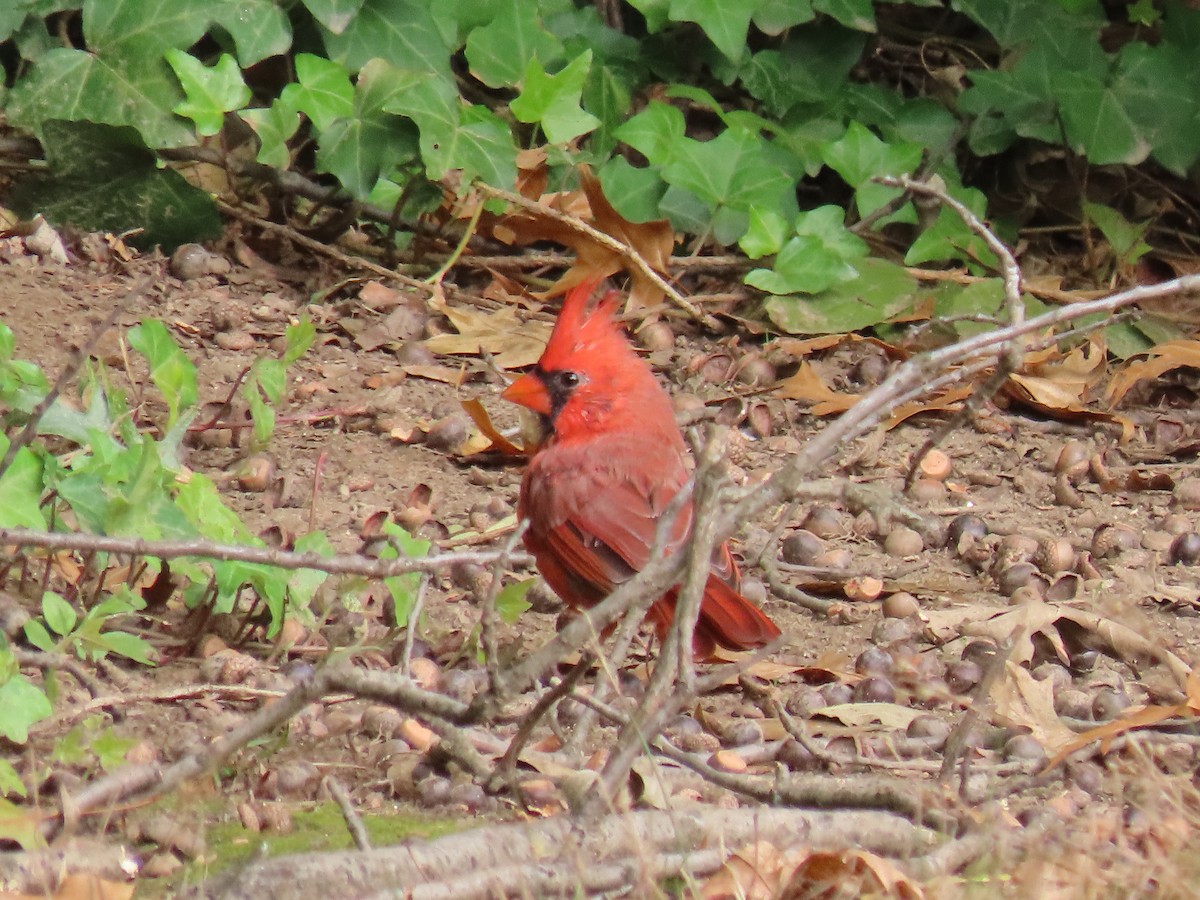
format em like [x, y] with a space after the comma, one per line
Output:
[889, 715]
[652, 241]
[848, 873]
[1136, 717]
[1022, 623]
[755, 872]
[1102, 634]
[950, 400]
[443, 374]
[1121, 641]
[808, 387]
[496, 441]
[1156, 361]
[532, 172]
[1023, 701]
[513, 343]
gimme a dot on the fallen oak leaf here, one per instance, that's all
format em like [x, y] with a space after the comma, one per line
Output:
[1021, 700]
[513, 343]
[1153, 363]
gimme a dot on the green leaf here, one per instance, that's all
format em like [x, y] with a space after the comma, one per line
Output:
[58, 613]
[127, 645]
[774, 17]
[1125, 238]
[110, 749]
[501, 52]
[170, 369]
[655, 132]
[766, 235]
[804, 265]
[860, 156]
[856, 14]
[726, 24]
[361, 148]
[511, 603]
[481, 147]
[1097, 122]
[122, 78]
[21, 490]
[21, 705]
[105, 179]
[634, 193]
[1160, 89]
[274, 127]
[10, 781]
[259, 28]
[304, 583]
[732, 172]
[553, 100]
[201, 503]
[334, 15]
[882, 291]
[22, 825]
[323, 91]
[948, 238]
[36, 634]
[391, 30]
[403, 588]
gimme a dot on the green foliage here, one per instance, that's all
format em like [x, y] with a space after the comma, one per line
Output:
[107, 178]
[403, 588]
[743, 108]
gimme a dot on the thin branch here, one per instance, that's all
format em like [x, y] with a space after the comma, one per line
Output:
[627, 253]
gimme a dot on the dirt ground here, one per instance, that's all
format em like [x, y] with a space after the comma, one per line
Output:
[351, 442]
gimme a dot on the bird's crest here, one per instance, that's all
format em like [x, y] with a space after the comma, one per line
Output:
[580, 329]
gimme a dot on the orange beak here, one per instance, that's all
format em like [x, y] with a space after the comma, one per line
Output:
[529, 392]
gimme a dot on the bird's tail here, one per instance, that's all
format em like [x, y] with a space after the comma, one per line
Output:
[727, 619]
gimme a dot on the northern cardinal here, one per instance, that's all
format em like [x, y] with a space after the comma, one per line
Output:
[612, 460]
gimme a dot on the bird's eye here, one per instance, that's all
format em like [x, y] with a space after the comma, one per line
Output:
[568, 379]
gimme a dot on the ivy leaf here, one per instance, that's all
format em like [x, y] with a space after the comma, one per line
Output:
[361, 148]
[1097, 123]
[259, 28]
[511, 602]
[882, 291]
[322, 91]
[656, 132]
[766, 234]
[856, 14]
[274, 127]
[391, 30]
[634, 193]
[859, 156]
[21, 705]
[480, 146]
[106, 179]
[818, 256]
[21, 490]
[334, 15]
[726, 24]
[501, 52]
[553, 100]
[170, 369]
[211, 93]
[733, 172]
[1125, 238]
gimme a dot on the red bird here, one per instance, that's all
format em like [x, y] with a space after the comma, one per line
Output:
[612, 461]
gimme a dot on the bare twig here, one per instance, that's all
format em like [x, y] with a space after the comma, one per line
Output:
[627, 253]
[354, 823]
[340, 564]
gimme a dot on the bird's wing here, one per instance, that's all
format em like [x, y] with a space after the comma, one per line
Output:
[598, 515]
